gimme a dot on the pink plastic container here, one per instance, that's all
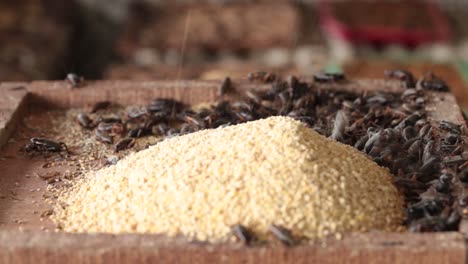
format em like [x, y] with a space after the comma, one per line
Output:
[437, 30]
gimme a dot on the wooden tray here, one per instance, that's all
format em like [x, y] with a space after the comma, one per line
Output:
[24, 238]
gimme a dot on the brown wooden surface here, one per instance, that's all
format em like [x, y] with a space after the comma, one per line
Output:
[51, 248]
[198, 71]
[25, 238]
[11, 99]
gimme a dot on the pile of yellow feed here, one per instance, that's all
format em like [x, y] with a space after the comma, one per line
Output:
[270, 171]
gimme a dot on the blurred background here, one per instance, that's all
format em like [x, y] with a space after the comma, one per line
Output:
[164, 39]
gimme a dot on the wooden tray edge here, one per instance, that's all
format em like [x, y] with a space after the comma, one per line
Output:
[25, 247]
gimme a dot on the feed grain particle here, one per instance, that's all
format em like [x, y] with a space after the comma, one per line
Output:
[270, 171]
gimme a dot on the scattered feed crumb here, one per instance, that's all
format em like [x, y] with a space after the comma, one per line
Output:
[270, 171]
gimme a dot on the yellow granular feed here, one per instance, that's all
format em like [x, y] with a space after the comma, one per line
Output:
[270, 171]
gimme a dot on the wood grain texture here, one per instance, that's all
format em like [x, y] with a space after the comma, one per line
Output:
[33, 247]
[28, 243]
[12, 104]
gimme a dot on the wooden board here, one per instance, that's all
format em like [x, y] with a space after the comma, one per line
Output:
[199, 71]
[25, 238]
